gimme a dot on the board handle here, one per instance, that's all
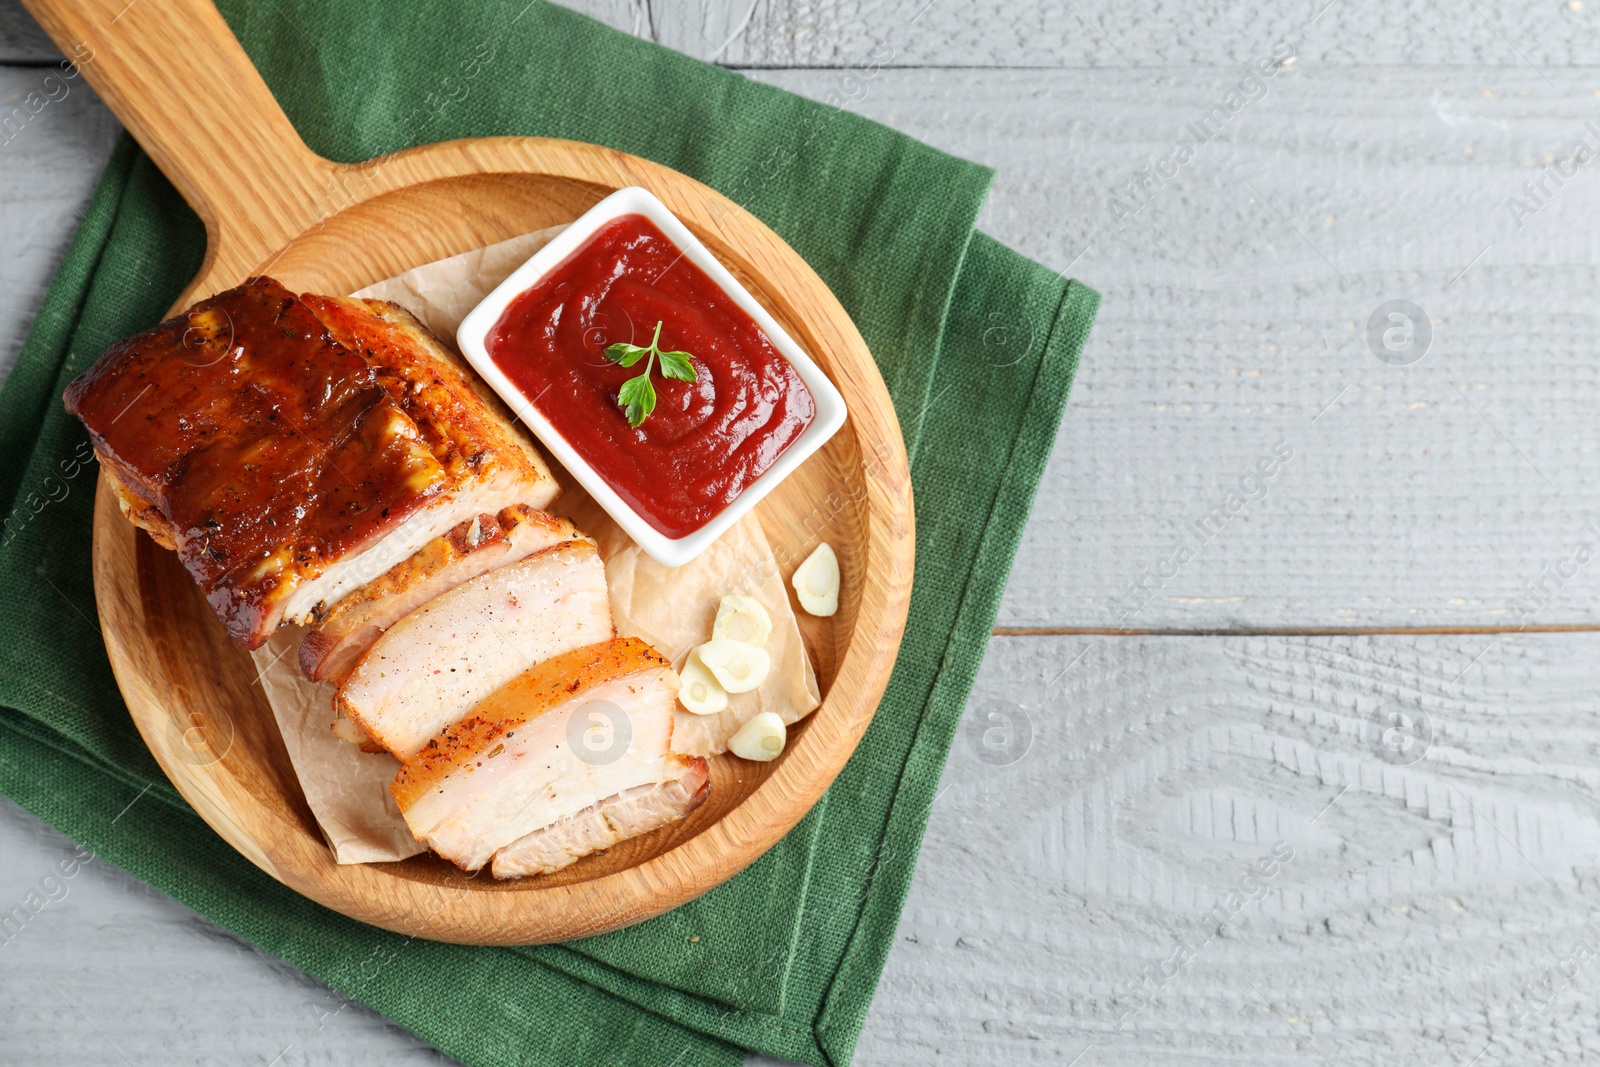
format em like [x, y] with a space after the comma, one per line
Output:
[173, 73]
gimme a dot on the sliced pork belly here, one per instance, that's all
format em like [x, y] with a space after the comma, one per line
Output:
[580, 728]
[330, 651]
[433, 666]
[628, 814]
[287, 466]
[489, 466]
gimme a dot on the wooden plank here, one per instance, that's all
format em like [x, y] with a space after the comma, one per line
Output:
[119, 973]
[712, 30]
[49, 162]
[1100, 34]
[1427, 495]
[1414, 903]
[1236, 317]
[21, 39]
[1148, 34]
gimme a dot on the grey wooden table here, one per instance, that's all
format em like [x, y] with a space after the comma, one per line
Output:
[1285, 768]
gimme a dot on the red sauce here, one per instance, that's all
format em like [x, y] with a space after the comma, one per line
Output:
[707, 440]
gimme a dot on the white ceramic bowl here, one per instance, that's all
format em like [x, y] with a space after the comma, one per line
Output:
[474, 332]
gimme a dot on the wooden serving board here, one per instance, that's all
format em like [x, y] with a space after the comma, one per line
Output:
[175, 76]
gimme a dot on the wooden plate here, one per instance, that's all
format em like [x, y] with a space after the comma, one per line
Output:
[174, 75]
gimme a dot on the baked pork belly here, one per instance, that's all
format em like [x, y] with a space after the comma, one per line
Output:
[466, 425]
[436, 664]
[288, 461]
[616, 819]
[582, 732]
[477, 546]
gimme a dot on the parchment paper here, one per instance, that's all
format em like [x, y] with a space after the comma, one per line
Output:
[671, 608]
[347, 789]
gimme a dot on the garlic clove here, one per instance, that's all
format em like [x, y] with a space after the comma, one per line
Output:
[760, 739]
[699, 690]
[742, 618]
[817, 581]
[738, 667]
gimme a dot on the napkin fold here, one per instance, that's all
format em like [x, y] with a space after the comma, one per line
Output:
[977, 344]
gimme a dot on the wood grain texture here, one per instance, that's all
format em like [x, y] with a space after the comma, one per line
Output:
[1149, 34]
[1007, 954]
[21, 39]
[1423, 904]
[1146, 34]
[112, 972]
[48, 169]
[172, 74]
[1236, 315]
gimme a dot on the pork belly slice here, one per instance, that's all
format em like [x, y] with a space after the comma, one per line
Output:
[591, 724]
[330, 651]
[614, 820]
[287, 467]
[436, 664]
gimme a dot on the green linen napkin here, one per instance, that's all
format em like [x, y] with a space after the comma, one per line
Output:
[977, 344]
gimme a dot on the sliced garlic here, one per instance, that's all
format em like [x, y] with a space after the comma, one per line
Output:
[742, 618]
[699, 691]
[817, 581]
[760, 739]
[738, 667]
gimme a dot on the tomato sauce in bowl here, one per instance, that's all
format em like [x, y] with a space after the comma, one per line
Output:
[707, 440]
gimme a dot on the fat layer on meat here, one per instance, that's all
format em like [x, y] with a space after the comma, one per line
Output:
[560, 740]
[347, 629]
[615, 819]
[434, 665]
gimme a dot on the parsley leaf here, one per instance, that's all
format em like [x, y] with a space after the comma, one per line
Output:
[637, 396]
[625, 354]
[677, 365]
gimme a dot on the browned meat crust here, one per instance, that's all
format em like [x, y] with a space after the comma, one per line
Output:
[286, 465]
